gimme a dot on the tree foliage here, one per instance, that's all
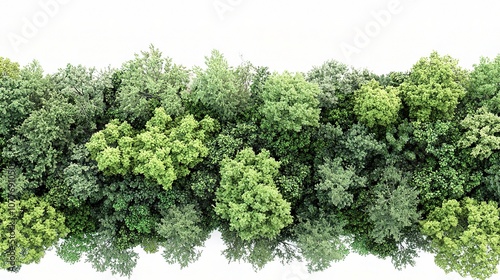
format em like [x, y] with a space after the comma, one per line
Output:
[147, 82]
[375, 105]
[284, 166]
[220, 90]
[164, 151]
[29, 227]
[290, 103]
[434, 88]
[248, 198]
[465, 237]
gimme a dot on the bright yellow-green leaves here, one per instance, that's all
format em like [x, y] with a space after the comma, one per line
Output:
[434, 88]
[483, 133]
[109, 148]
[465, 237]
[163, 152]
[375, 105]
[28, 228]
[289, 103]
[248, 198]
[9, 68]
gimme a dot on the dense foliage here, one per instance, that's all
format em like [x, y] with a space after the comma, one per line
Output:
[290, 166]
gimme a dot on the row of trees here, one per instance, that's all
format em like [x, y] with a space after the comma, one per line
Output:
[290, 166]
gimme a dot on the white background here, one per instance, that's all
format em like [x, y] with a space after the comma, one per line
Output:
[381, 35]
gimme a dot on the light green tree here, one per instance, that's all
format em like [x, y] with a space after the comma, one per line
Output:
[248, 198]
[290, 103]
[164, 151]
[465, 237]
[483, 133]
[9, 68]
[375, 105]
[28, 228]
[434, 88]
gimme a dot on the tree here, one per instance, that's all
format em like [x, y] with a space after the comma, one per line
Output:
[248, 198]
[19, 97]
[483, 133]
[84, 89]
[257, 252]
[394, 208]
[434, 88]
[100, 252]
[147, 82]
[9, 68]
[42, 139]
[164, 151]
[444, 170]
[290, 103]
[336, 182]
[320, 241]
[183, 233]
[465, 237]
[220, 90]
[337, 83]
[375, 105]
[29, 227]
[484, 87]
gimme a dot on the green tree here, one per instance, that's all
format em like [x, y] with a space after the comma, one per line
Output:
[147, 82]
[100, 251]
[19, 98]
[484, 86]
[394, 208]
[465, 237]
[220, 90]
[257, 252]
[444, 170]
[337, 83]
[483, 133]
[434, 88]
[184, 233]
[164, 151]
[320, 241]
[29, 227]
[84, 89]
[290, 103]
[248, 198]
[9, 68]
[375, 105]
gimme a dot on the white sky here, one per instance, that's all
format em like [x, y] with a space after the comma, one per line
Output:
[381, 35]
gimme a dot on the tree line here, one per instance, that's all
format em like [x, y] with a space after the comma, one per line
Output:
[288, 166]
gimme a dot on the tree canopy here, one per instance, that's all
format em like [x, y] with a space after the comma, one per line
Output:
[289, 166]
